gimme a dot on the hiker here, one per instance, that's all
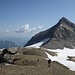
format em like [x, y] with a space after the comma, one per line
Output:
[38, 60]
[49, 62]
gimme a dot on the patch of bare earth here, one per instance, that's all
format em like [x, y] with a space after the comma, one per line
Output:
[71, 58]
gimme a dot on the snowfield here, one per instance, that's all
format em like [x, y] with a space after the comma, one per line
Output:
[37, 45]
[1, 49]
[62, 56]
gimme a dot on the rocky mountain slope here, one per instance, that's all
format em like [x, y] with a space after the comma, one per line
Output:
[61, 35]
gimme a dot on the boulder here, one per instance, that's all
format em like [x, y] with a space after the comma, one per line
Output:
[7, 57]
[13, 50]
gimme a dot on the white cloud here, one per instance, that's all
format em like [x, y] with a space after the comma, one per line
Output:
[4, 31]
[39, 27]
[26, 28]
[7, 31]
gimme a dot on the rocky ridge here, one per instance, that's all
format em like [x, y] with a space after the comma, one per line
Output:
[61, 35]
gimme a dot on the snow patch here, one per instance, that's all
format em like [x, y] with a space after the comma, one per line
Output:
[37, 45]
[61, 25]
[1, 49]
[62, 56]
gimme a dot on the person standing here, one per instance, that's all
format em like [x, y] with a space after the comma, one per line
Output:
[49, 62]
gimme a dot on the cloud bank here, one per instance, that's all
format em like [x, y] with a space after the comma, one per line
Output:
[26, 28]
[23, 31]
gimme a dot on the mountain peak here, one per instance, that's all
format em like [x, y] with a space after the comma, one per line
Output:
[63, 19]
[61, 35]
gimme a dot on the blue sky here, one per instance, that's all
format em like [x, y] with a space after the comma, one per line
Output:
[28, 17]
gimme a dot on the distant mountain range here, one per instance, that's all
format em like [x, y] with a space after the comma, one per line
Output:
[61, 35]
[20, 41]
[7, 44]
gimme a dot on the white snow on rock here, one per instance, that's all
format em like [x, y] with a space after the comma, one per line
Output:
[61, 25]
[62, 57]
[1, 49]
[37, 45]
